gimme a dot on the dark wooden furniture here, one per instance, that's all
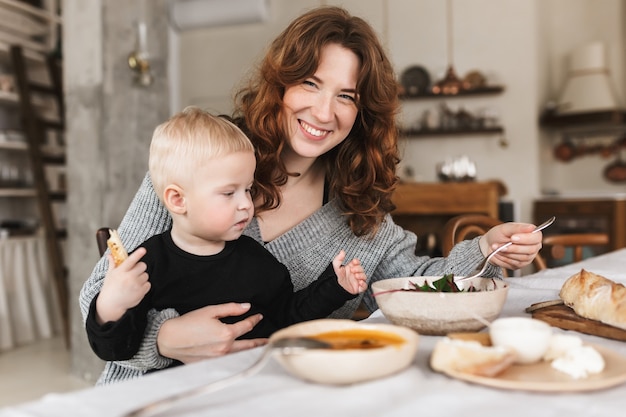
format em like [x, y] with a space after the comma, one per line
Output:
[586, 215]
[424, 208]
[555, 245]
[604, 215]
[102, 235]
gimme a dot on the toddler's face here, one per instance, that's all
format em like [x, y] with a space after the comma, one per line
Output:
[219, 205]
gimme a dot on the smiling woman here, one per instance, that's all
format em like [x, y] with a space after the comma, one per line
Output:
[321, 111]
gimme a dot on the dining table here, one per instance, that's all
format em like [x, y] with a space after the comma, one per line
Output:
[414, 391]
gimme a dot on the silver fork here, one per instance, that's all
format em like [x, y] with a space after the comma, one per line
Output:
[482, 266]
[287, 346]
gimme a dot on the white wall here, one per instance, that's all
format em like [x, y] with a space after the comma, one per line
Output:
[110, 121]
[214, 61]
[571, 24]
[519, 44]
[498, 38]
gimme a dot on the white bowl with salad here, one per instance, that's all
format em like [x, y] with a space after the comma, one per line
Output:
[436, 305]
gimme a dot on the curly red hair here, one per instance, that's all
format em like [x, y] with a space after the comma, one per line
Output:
[361, 170]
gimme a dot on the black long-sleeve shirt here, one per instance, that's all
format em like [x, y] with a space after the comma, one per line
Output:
[243, 272]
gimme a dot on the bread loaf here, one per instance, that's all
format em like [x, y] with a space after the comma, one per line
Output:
[595, 297]
[471, 357]
[116, 247]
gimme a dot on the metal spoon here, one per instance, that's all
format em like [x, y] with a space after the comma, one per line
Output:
[482, 267]
[286, 346]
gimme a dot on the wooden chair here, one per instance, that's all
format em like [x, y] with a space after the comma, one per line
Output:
[465, 227]
[102, 235]
[555, 245]
[468, 226]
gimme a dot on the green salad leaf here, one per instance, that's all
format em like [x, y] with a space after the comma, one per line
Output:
[443, 284]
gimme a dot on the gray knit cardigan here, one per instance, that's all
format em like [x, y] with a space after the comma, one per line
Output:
[306, 250]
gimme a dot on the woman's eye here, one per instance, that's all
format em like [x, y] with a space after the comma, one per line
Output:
[309, 83]
[348, 97]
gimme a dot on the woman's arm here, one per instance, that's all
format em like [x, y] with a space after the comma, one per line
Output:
[146, 216]
[394, 252]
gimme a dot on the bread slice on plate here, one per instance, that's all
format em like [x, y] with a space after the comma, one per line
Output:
[470, 355]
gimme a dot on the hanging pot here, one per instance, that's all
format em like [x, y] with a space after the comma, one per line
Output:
[616, 171]
[565, 151]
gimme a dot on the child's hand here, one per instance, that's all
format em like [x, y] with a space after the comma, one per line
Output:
[350, 276]
[123, 288]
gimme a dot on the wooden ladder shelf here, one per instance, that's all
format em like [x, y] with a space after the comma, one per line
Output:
[35, 128]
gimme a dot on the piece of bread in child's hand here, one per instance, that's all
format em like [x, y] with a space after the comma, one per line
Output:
[116, 247]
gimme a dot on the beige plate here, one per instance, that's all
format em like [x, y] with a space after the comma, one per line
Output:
[542, 377]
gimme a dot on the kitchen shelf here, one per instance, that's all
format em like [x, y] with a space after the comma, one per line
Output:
[481, 91]
[31, 56]
[18, 192]
[38, 94]
[58, 195]
[429, 133]
[585, 124]
[30, 52]
[14, 146]
[451, 132]
[9, 98]
[34, 28]
[17, 234]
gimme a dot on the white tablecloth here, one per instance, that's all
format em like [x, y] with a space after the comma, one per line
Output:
[27, 300]
[413, 392]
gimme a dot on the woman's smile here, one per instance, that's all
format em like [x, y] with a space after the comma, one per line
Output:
[313, 132]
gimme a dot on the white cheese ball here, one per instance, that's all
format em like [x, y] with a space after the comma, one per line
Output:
[559, 344]
[579, 362]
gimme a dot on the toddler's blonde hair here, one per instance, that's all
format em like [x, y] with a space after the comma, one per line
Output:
[188, 140]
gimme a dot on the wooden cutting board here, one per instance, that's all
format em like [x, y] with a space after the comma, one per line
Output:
[559, 315]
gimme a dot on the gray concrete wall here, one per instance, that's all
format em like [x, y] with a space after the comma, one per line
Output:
[109, 125]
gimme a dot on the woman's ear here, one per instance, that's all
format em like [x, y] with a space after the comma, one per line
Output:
[174, 199]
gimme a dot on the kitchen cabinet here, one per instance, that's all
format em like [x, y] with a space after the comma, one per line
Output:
[580, 214]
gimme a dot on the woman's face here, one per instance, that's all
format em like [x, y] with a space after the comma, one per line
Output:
[321, 111]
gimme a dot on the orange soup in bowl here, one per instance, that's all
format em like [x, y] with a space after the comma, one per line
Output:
[359, 339]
